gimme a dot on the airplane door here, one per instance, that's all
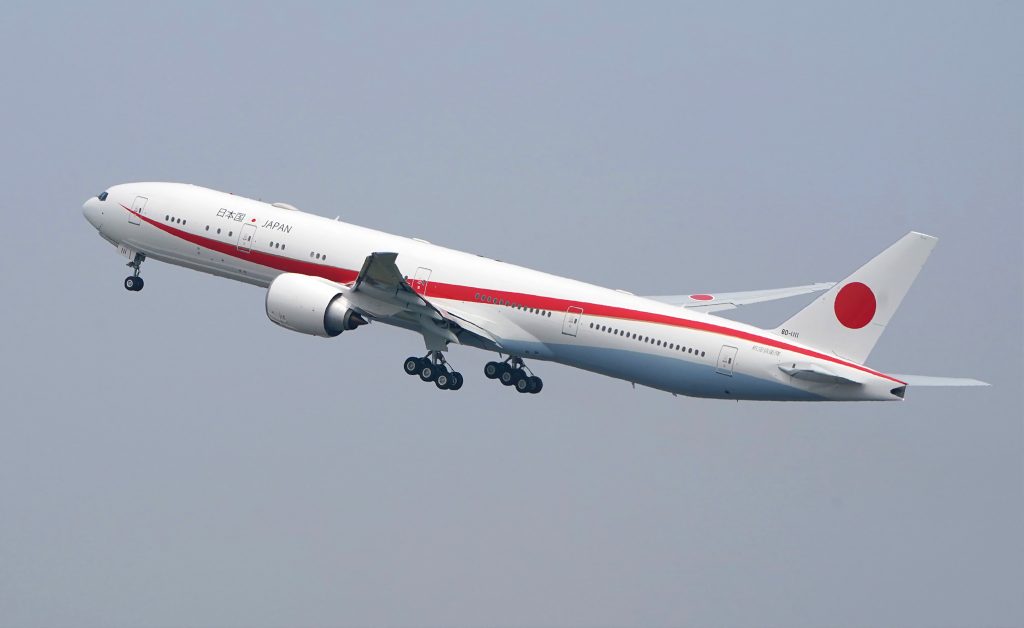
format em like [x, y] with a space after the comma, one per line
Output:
[571, 324]
[420, 281]
[245, 237]
[137, 208]
[726, 360]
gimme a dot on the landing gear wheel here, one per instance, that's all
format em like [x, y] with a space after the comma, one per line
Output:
[443, 380]
[133, 283]
[507, 377]
[412, 365]
[428, 371]
[536, 384]
[523, 384]
[456, 382]
[493, 369]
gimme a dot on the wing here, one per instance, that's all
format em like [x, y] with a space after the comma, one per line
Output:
[381, 291]
[714, 302]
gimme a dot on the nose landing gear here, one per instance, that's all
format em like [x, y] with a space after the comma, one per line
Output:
[434, 368]
[513, 372]
[134, 282]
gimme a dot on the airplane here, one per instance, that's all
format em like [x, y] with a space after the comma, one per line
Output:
[324, 277]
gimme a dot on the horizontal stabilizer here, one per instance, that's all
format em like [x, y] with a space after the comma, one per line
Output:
[715, 301]
[928, 380]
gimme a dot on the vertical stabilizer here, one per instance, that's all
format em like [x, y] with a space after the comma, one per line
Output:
[849, 318]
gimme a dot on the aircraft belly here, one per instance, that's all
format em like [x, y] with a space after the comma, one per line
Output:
[675, 375]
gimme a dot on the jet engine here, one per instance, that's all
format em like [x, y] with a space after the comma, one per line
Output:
[310, 305]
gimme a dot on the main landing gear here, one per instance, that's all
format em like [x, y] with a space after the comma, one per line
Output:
[134, 282]
[512, 372]
[434, 368]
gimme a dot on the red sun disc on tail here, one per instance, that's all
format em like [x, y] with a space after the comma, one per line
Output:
[855, 305]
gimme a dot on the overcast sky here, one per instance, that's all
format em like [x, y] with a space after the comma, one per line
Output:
[171, 457]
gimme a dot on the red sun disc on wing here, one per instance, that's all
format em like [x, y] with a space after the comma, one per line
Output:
[855, 305]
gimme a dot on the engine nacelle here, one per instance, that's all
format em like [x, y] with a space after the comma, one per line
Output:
[310, 305]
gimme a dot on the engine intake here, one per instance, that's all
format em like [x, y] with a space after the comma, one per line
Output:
[310, 305]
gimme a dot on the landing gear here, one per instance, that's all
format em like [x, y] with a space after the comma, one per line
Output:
[434, 368]
[512, 372]
[134, 282]
[448, 380]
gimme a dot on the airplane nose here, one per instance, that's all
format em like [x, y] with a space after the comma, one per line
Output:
[92, 212]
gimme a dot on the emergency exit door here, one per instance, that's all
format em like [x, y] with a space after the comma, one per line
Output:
[138, 207]
[245, 237]
[420, 280]
[571, 324]
[726, 360]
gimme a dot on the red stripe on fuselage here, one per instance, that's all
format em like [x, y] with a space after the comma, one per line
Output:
[468, 293]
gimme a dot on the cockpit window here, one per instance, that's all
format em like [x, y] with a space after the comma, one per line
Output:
[102, 196]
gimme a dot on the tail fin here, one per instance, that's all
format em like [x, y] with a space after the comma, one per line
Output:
[848, 319]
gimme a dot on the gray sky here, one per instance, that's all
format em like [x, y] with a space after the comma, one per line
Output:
[173, 458]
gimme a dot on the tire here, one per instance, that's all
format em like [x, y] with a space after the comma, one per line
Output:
[536, 385]
[456, 381]
[428, 372]
[492, 370]
[130, 283]
[523, 384]
[139, 284]
[412, 365]
[507, 377]
[443, 380]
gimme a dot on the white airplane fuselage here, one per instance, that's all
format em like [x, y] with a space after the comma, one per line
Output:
[535, 315]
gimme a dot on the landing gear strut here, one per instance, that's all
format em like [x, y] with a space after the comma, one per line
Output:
[434, 368]
[512, 372]
[134, 282]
